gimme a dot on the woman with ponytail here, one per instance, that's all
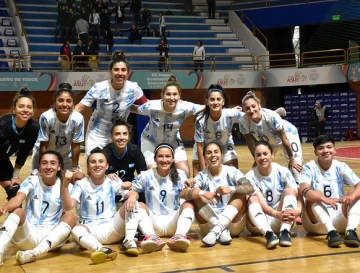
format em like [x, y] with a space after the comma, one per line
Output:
[18, 133]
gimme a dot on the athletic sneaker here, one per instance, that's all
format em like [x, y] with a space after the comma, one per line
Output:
[284, 238]
[152, 243]
[211, 238]
[351, 238]
[225, 237]
[271, 239]
[24, 257]
[102, 255]
[179, 242]
[130, 247]
[333, 238]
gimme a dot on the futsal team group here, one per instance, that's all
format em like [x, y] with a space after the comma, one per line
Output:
[128, 189]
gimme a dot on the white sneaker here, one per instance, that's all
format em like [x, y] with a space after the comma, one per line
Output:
[211, 238]
[24, 257]
[225, 237]
[130, 247]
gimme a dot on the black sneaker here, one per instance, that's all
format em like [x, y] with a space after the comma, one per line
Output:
[285, 239]
[271, 239]
[351, 238]
[333, 238]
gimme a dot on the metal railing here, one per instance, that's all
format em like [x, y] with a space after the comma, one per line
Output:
[255, 30]
[8, 62]
[267, 3]
[323, 57]
[28, 62]
[23, 31]
[277, 60]
[241, 61]
[182, 64]
[353, 54]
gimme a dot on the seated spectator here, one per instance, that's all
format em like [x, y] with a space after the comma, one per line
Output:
[79, 62]
[94, 22]
[65, 61]
[82, 30]
[163, 49]
[134, 35]
[93, 51]
[146, 20]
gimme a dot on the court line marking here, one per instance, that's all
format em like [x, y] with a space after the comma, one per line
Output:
[226, 268]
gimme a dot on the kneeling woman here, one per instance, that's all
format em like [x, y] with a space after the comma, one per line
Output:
[274, 205]
[42, 226]
[168, 217]
[219, 193]
[99, 223]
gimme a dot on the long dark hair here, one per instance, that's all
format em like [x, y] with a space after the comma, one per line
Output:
[174, 175]
[214, 88]
[59, 158]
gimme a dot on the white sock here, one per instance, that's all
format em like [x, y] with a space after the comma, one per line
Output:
[225, 218]
[258, 218]
[185, 220]
[85, 238]
[145, 223]
[56, 236]
[322, 216]
[8, 230]
[353, 216]
[209, 215]
[131, 224]
[289, 202]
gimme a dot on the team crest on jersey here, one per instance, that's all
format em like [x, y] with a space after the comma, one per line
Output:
[151, 188]
[36, 197]
[157, 119]
[88, 198]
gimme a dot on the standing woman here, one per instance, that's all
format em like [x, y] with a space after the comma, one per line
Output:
[113, 99]
[119, 11]
[266, 125]
[199, 56]
[166, 116]
[215, 123]
[61, 130]
[18, 133]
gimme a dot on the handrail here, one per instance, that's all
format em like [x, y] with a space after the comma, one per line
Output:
[85, 62]
[5, 58]
[350, 54]
[172, 62]
[254, 29]
[332, 56]
[244, 64]
[29, 60]
[268, 3]
[23, 31]
[289, 60]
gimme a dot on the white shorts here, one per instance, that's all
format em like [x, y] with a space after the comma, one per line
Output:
[35, 160]
[228, 154]
[93, 141]
[274, 223]
[28, 236]
[339, 221]
[165, 225]
[234, 228]
[106, 233]
[148, 148]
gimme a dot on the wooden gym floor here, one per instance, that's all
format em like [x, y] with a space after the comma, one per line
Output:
[246, 253]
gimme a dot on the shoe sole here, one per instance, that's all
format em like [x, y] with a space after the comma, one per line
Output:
[208, 245]
[273, 244]
[335, 244]
[134, 252]
[352, 242]
[286, 244]
[101, 257]
[151, 247]
[225, 243]
[179, 245]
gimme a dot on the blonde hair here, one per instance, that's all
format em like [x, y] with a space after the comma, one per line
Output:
[250, 95]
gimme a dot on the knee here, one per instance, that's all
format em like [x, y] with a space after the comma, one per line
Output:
[188, 204]
[69, 218]
[290, 191]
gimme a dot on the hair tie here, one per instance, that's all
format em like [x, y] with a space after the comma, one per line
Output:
[164, 146]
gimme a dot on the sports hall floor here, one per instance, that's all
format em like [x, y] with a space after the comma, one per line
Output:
[246, 253]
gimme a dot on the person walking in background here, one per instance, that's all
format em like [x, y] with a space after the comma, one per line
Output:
[163, 49]
[211, 8]
[162, 25]
[321, 114]
[199, 56]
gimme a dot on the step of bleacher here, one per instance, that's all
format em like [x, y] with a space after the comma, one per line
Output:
[225, 35]
[232, 43]
[220, 28]
[237, 50]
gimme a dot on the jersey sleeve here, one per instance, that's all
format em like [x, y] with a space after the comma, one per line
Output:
[27, 185]
[138, 184]
[76, 192]
[289, 180]
[200, 181]
[199, 132]
[117, 186]
[79, 130]
[144, 109]
[250, 175]
[44, 128]
[350, 178]
[31, 136]
[91, 96]
[306, 175]
[277, 121]
[138, 92]
[192, 108]
[236, 176]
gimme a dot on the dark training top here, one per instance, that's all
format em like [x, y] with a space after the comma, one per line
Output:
[14, 139]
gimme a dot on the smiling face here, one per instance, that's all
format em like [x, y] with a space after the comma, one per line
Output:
[97, 165]
[252, 109]
[164, 159]
[213, 156]
[119, 74]
[120, 136]
[64, 104]
[24, 109]
[215, 101]
[263, 157]
[325, 152]
[171, 96]
[48, 167]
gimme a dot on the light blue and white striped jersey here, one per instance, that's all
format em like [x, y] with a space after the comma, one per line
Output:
[272, 186]
[229, 176]
[111, 104]
[60, 135]
[163, 126]
[330, 182]
[43, 203]
[266, 129]
[162, 197]
[290, 129]
[96, 202]
[209, 130]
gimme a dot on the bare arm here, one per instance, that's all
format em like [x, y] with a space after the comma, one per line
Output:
[266, 208]
[190, 193]
[317, 196]
[250, 141]
[80, 107]
[200, 151]
[293, 164]
[243, 187]
[13, 203]
[133, 109]
[75, 154]
[43, 147]
[68, 203]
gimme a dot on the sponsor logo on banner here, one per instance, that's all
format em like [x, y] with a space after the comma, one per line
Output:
[86, 81]
[314, 75]
[298, 77]
[241, 80]
[226, 81]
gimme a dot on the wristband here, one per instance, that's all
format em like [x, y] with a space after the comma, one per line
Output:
[16, 173]
[201, 193]
[233, 189]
